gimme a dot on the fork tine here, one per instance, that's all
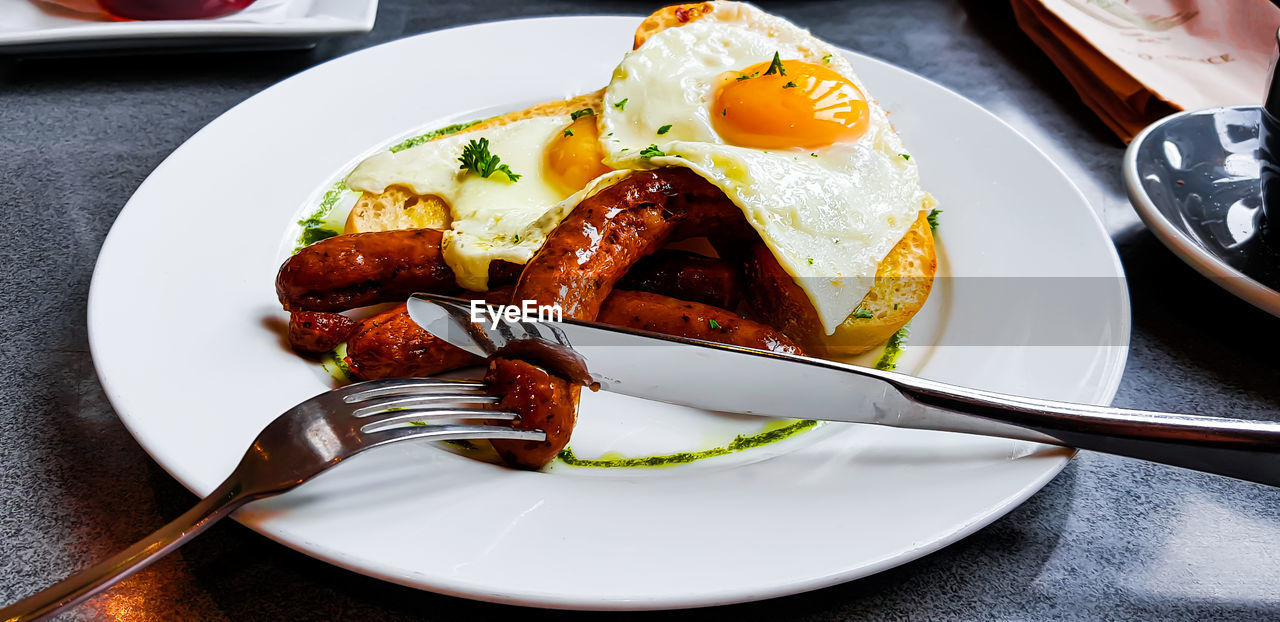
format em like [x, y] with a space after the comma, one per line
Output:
[408, 386]
[399, 417]
[442, 400]
[452, 432]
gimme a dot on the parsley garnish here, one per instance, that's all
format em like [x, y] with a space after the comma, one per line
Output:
[664, 129]
[863, 313]
[568, 132]
[713, 323]
[826, 59]
[652, 151]
[622, 105]
[724, 112]
[776, 66]
[811, 261]
[581, 113]
[933, 219]
[476, 157]
[813, 155]
[516, 239]
[904, 156]
[747, 77]
[789, 85]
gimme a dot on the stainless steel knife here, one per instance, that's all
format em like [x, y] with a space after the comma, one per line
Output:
[726, 378]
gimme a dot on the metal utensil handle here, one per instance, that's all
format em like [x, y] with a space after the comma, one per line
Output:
[88, 582]
[1247, 450]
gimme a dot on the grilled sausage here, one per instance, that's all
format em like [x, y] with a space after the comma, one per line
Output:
[360, 269]
[543, 400]
[686, 276]
[581, 261]
[391, 345]
[660, 314]
[318, 331]
[775, 297]
[606, 234]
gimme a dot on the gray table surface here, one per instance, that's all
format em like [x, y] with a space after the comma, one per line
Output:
[1109, 538]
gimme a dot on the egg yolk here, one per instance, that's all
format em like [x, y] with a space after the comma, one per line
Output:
[574, 156]
[802, 105]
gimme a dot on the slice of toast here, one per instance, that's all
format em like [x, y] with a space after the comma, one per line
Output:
[400, 208]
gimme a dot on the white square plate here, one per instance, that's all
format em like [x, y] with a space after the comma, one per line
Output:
[37, 27]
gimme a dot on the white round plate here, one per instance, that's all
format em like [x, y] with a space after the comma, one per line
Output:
[186, 335]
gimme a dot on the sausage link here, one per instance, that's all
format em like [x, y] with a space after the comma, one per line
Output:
[318, 331]
[391, 345]
[543, 400]
[360, 269]
[578, 266]
[694, 320]
[775, 297]
[686, 276]
[606, 234]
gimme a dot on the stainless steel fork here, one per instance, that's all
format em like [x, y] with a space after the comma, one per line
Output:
[298, 445]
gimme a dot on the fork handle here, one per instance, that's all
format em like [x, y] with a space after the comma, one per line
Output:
[84, 584]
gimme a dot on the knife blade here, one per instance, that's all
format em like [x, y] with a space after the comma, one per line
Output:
[726, 378]
[697, 373]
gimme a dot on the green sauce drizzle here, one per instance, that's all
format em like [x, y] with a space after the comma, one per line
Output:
[314, 227]
[892, 350]
[432, 135]
[740, 443]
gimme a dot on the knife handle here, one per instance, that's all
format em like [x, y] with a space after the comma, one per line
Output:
[1244, 449]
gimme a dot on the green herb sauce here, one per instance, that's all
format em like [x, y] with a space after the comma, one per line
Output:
[889, 359]
[315, 227]
[777, 432]
[432, 135]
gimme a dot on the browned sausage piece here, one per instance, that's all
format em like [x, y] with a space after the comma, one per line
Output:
[391, 345]
[360, 269]
[318, 331]
[606, 234]
[585, 256]
[544, 402]
[774, 295]
[686, 276]
[660, 314]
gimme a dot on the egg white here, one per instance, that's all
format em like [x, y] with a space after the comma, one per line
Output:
[493, 218]
[829, 215]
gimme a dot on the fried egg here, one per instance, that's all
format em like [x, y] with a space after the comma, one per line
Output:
[778, 121]
[558, 163]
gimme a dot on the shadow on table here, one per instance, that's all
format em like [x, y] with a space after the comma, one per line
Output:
[1232, 346]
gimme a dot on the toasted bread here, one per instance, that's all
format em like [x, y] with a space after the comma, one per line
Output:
[904, 279]
[668, 17]
[400, 208]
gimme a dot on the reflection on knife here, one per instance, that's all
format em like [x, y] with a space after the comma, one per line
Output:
[731, 379]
